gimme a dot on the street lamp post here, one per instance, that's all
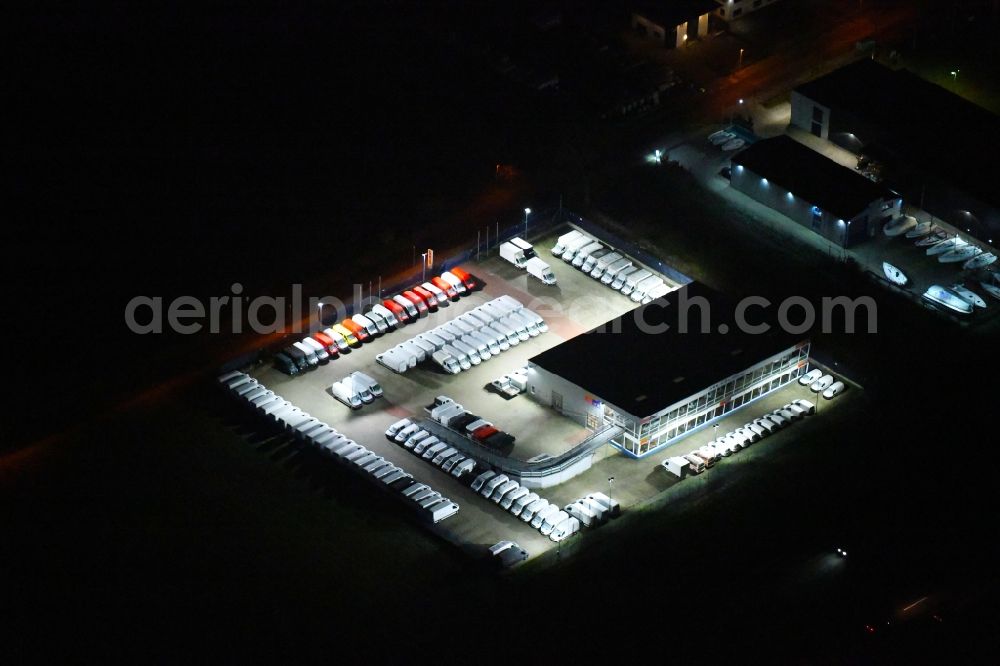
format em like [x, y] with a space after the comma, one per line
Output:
[423, 267]
[611, 483]
[740, 63]
[527, 212]
[954, 75]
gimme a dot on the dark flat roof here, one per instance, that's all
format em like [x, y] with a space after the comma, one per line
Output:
[674, 12]
[811, 176]
[937, 131]
[645, 372]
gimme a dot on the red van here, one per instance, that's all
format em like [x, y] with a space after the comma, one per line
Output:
[429, 298]
[445, 287]
[357, 329]
[395, 308]
[417, 302]
[470, 281]
[328, 343]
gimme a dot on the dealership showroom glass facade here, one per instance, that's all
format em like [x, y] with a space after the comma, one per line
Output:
[716, 401]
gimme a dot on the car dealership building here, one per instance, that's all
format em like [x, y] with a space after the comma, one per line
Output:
[660, 373]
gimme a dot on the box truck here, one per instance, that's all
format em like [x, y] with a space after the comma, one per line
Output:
[541, 270]
[581, 512]
[574, 246]
[612, 272]
[584, 252]
[603, 263]
[632, 279]
[642, 288]
[592, 260]
[513, 254]
[563, 240]
[443, 509]
[473, 355]
[619, 281]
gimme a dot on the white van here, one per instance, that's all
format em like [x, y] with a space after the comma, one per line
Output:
[508, 500]
[810, 376]
[463, 467]
[834, 390]
[493, 484]
[806, 406]
[451, 462]
[518, 505]
[531, 510]
[318, 349]
[367, 324]
[565, 529]
[458, 355]
[543, 513]
[407, 305]
[386, 315]
[504, 489]
[581, 512]
[550, 521]
[404, 433]
[480, 480]
[442, 298]
[443, 455]
[822, 384]
[470, 352]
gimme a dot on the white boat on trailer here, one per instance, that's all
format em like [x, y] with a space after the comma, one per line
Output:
[963, 253]
[899, 226]
[934, 238]
[979, 261]
[968, 295]
[991, 285]
[894, 275]
[949, 299]
[922, 229]
[945, 246]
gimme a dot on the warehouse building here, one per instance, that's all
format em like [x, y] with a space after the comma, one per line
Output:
[837, 203]
[673, 23]
[660, 384]
[730, 10]
[924, 141]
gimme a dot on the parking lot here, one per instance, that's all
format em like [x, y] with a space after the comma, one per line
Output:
[576, 304]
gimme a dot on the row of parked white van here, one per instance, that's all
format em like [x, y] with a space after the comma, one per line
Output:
[422, 443]
[611, 267]
[356, 390]
[526, 505]
[303, 427]
[706, 456]
[822, 383]
[469, 339]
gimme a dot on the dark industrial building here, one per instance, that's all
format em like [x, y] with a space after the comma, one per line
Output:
[660, 384]
[673, 23]
[927, 143]
[835, 202]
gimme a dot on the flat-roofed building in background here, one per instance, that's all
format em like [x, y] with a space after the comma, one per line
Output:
[660, 385]
[832, 200]
[929, 144]
[673, 22]
[730, 10]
